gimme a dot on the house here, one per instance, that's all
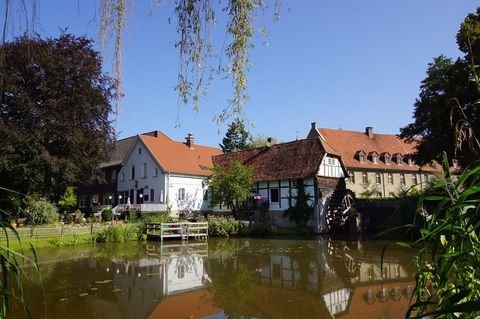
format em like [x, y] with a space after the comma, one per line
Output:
[379, 165]
[95, 196]
[279, 168]
[161, 174]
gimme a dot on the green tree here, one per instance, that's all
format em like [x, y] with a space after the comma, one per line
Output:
[68, 200]
[261, 140]
[301, 212]
[237, 137]
[40, 211]
[445, 114]
[231, 185]
[54, 114]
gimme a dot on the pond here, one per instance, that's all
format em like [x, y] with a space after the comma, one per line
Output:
[223, 278]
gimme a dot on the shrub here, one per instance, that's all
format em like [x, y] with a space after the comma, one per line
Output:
[107, 214]
[223, 227]
[132, 216]
[69, 218]
[40, 212]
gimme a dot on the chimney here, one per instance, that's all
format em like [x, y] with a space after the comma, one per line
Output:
[314, 125]
[269, 142]
[190, 141]
[369, 132]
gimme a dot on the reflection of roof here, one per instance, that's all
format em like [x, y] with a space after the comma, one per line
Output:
[119, 152]
[350, 143]
[389, 308]
[177, 157]
[193, 304]
[297, 159]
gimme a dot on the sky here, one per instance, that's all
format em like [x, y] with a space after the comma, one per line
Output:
[344, 64]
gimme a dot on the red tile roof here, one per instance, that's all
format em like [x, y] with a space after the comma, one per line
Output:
[177, 157]
[292, 160]
[349, 143]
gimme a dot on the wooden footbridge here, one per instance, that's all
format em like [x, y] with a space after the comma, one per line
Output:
[182, 230]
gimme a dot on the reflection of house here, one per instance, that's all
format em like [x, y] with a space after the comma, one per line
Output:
[381, 163]
[160, 173]
[278, 169]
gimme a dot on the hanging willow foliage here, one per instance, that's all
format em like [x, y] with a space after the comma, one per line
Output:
[194, 20]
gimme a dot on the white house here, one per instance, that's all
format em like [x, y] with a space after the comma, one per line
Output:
[162, 174]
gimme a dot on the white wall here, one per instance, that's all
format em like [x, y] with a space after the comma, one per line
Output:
[150, 181]
[194, 187]
[330, 167]
[286, 190]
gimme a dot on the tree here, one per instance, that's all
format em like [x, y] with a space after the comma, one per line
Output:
[231, 185]
[54, 114]
[68, 200]
[261, 140]
[237, 137]
[445, 116]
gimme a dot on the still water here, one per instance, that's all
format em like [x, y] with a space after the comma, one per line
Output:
[234, 278]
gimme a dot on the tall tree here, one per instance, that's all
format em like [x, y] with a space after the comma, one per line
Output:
[231, 185]
[237, 137]
[54, 114]
[446, 117]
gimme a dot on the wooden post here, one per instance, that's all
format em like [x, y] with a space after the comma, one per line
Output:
[61, 231]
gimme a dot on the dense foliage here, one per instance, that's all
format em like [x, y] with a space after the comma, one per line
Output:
[40, 211]
[445, 115]
[237, 137]
[447, 263]
[54, 114]
[231, 185]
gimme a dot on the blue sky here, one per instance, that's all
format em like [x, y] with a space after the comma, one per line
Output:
[343, 64]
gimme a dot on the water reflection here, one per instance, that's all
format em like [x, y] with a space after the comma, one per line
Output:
[235, 278]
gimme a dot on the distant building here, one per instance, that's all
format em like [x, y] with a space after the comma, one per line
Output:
[381, 164]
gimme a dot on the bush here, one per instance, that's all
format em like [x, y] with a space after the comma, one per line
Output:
[107, 214]
[40, 212]
[69, 218]
[223, 227]
[132, 216]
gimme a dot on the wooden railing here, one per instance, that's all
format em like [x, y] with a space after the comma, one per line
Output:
[182, 230]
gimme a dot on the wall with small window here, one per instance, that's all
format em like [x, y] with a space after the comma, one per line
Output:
[331, 167]
[280, 194]
[137, 179]
[188, 193]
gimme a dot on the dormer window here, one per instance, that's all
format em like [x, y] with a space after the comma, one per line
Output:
[411, 161]
[387, 158]
[398, 158]
[361, 156]
[374, 157]
[455, 163]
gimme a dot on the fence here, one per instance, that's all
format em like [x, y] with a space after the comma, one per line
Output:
[181, 230]
[51, 232]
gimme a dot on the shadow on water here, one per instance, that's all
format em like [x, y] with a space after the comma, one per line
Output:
[234, 278]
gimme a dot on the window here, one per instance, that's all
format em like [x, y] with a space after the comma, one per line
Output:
[144, 170]
[330, 161]
[181, 194]
[351, 177]
[378, 179]
[411, 162]
[152, 195]
[294, 183]
[455, 163]
[387, 159]
[122, 177]
[113, 178]
[390, 178]
[414, 179]
[425, 177]
[181, 272]
[375, 159]
[364, 178]
[132, 172]
[402, 179]
[399, 160]
[139, 150]
[361, 158]
[82, 201]
[274, 195]
[155, 172]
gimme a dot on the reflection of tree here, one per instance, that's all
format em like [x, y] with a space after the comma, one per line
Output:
[233, 286]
